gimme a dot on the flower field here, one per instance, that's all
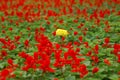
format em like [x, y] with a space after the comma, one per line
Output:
[59, 39]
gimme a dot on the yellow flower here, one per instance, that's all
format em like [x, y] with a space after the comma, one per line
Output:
[61, 32]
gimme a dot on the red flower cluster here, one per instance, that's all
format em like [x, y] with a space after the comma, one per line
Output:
[41, 59]
[8, 43]
[116, 51]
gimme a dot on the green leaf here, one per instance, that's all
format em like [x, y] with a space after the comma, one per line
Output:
[93, 79]
[61, 79]
[114, 77]
[87, 63]
[70, 78]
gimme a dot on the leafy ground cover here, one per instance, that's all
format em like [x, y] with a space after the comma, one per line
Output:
[59, 40]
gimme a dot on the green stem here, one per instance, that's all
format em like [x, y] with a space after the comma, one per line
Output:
[43, 75]
[62, 72]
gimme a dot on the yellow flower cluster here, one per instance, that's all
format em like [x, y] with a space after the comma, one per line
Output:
[61, 32]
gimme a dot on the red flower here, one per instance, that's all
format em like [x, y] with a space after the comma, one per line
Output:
[48, 22]
[57, 46]
[3, 19]
[19, 14]
[118, 56]
[25, 68]
[10, 29]
[10, 61]
[63, 38]
[107, 40]
[4, 53]
[51, 13]
[64, 10]
[102, 13]
[77, 49]
[83, 70]
[55, 79]
[42, 29]
[81, 2]
[4, 73]
[80, 38]
[89, 53]
[118, 72]
[23, 54]
[83, 74]
[26, 43]
[28, 28]
[75, 33]
[95, 59]
[17, 38]
[76, 43]
[75, 21]
[95, 70]
[116, 48]
[36, 55]
[3, 31]
[106, 61]
[54, 33]
[86, 44]
[60, 21]
[96, 48]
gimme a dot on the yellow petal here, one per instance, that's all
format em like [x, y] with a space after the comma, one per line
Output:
[61, 32]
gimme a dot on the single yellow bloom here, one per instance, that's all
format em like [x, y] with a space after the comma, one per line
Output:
[61, 32]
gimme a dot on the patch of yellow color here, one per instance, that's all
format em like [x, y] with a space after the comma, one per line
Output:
[61, 32]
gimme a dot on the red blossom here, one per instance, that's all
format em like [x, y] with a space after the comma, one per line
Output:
[106, 61]
[86, 44]
[75, 33]
[4, 74]
[54, 33]
[42, 29]
[23, 54]
[28, 28]
[96, 48]
[81, 38]
[83, 70]
[57, 46]
[10, 61]
[107, 40]
[95, 59]
[17, 38]
[10, 28]
[55, 79]
[4, 53]
[26, 43]
[60, 21]
[89, 53]
[95, 70]
[2, 18]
